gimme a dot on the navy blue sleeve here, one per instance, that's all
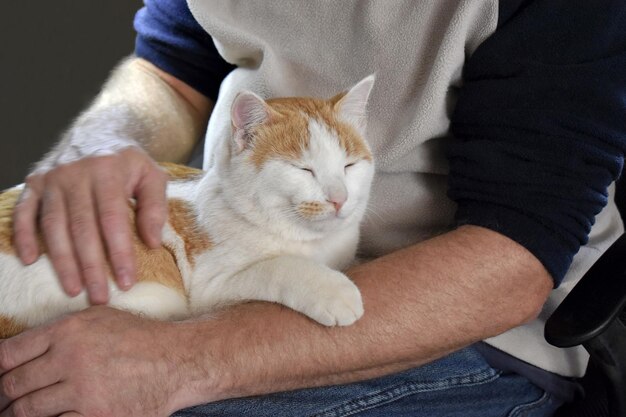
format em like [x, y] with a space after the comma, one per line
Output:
[540, 125]
[169, 37]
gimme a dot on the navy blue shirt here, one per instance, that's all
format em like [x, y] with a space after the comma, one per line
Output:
[540, 123]
[169, 37]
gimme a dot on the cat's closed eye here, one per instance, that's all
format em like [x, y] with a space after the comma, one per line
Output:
[351, 164]
[303, 168]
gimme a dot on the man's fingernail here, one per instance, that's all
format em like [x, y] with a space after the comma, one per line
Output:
[125, 279]
[27, 255]
[74, 290]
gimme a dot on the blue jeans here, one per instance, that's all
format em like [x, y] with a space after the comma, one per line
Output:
[461, 384]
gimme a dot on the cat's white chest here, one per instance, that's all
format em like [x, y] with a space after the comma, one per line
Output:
[239, 247]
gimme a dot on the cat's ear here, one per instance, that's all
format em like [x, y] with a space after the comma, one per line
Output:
[351, 105]
[247, 112]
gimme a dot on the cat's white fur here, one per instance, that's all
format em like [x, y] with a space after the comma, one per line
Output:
[262, 249]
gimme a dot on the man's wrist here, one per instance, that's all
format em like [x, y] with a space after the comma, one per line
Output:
[198, 367]
[231, 354]
[97, 132]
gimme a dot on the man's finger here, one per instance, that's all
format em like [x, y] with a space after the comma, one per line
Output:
[151, 207]
[47, 402]
[25, 226]
[85, 233]
[22, 348]
[30, 377]
[113, 212]
[53, 221]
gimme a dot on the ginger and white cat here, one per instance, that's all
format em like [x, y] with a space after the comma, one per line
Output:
[275, 219]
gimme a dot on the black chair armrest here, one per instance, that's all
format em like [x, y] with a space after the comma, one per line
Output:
[589, 316]
[594, 303]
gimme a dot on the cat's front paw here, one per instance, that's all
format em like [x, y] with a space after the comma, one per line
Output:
[337, 304]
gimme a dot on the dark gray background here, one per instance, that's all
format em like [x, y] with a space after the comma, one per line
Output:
[54, 56]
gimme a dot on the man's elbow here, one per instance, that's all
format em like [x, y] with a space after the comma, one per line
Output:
[531, 303]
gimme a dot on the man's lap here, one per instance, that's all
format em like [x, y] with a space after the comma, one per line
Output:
[461, 384]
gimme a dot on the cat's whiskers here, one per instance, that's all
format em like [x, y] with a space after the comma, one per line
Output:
[371, 210]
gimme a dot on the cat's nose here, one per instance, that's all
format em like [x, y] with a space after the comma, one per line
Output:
[337, 194]
[337, 201]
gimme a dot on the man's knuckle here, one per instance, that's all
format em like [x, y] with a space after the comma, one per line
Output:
[7, 383]
[67, 176]
[122, 250]
[121, 255]
[81, 226]
[49, 221]
[62, 262]
[70, 321]
[53, 175]
[109, 188]
[103, 166]
[23, 407]
[33, 180]
[5, 357]
[30, 178]
[91, 271]
[154, 218]
[112, 217]
[69, 324]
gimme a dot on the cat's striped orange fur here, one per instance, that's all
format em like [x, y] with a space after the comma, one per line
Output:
[9, 328]
[292, 114]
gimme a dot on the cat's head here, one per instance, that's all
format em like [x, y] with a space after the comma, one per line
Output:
[301, 164]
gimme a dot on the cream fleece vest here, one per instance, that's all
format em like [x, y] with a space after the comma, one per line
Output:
[417, 50]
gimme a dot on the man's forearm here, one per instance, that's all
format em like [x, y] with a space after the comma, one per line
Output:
[421, 303]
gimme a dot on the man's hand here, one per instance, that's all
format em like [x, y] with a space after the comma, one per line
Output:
[78, 197]
[82, 210]
[100, 362]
